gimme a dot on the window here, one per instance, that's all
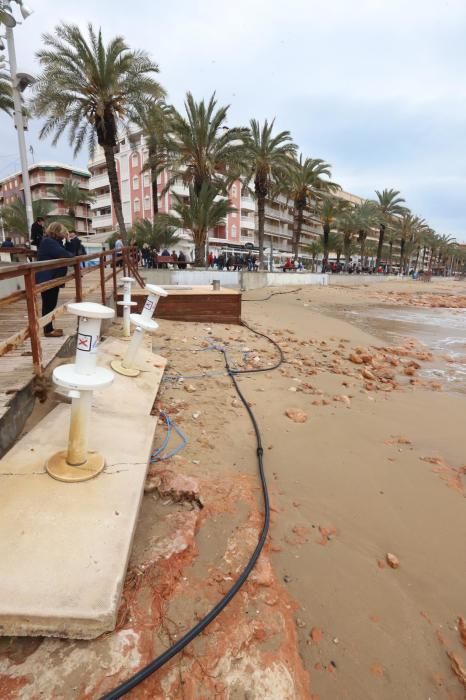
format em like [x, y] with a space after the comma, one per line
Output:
[145, 156]
[233, 231]
[137, 205]
[135, 182]
[146, 180]
[233, 191]
[147, 202]
[16, 182]
[135, 159]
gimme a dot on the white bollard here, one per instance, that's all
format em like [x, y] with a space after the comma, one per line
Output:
[143, 322]
[80, 380]
[127, 304]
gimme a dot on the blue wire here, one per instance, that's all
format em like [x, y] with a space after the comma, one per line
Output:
[157, 455]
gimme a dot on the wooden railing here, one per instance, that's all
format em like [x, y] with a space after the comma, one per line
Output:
[109, 263]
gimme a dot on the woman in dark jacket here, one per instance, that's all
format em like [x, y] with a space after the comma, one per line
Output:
[51, 248]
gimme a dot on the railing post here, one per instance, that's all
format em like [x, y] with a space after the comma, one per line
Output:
[114, 274]
[78, 282]
[33, 321]
[102, 278]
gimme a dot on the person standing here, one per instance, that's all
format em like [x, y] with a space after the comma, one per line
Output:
[119, 245]
[37, 231]
[52, 248]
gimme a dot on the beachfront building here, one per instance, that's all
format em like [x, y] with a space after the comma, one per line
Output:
[240, 228]
[44, 177]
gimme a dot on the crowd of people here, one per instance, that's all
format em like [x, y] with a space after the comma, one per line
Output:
[233, 261]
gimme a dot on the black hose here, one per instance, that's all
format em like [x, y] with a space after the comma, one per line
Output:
[161, 660]
[274, 294]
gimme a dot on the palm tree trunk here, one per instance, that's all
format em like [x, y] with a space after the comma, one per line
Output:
[390, 245]
[299, 220]
[326, 228]
[72, 215]
[261, 224]
[416, 262]
[402, 255]
[115, 190]
[424, 253]
[380, 246]
[199, 248]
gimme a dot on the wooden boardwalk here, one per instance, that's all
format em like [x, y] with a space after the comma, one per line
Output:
[16, 368]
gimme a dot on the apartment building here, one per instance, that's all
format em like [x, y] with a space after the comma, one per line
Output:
[44, 177]
[240, 227]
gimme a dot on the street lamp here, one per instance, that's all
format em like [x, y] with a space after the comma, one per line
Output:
[19, 82]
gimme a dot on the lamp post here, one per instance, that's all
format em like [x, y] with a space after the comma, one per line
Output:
[18, 84]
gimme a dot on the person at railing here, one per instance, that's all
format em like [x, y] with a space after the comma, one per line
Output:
[119, 245]
[74, 245]
[52, 248]
[37, 231]
[8, 243]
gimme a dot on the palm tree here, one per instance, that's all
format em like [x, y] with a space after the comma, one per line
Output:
[348, 224]
[314, 248]
[158, 234]
[72, 195]
[329, 210]
[390, 205]
[304, 182]
[203, 211]
[6, 98]
[365, 218]
[153, 118]
[269, 162]
[89, 88]
[202, 149]
[408, 228]
[391, 237]
[15, 219]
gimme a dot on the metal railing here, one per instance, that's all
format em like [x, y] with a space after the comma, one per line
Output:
[109, 263]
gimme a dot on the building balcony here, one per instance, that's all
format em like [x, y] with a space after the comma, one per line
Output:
[248, 222]
[180, 189]
[102, 200]
[103, 221]
[98, 181]
[248, 203]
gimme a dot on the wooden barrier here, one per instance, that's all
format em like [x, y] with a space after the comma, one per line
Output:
[101, 261]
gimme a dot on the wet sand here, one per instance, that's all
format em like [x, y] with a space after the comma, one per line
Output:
[376, 467]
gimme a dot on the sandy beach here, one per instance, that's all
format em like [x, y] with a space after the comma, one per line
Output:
[364, 456]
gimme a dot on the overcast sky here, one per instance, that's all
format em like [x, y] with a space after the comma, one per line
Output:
[375, 87]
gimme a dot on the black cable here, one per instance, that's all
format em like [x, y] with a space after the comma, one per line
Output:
[161, 660]
[274, 294]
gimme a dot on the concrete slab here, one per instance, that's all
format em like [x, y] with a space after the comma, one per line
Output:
[64, 547]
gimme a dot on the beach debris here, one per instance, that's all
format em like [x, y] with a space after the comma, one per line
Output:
[196, 415]
[190, 388]
[316, 635]
[356, 359]
[236, 403]
[327, 534]
[377, 671]
[392, 560]
[462, 630]
[296, 415]
[457, 667]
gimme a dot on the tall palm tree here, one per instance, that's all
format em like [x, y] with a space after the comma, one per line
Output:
[329, 209]
[6, 98]
[202, 149]
[305, 180]
[203, 211]
[365, 215]
[408, 228]
[268, 159]
[89, 87]
[159, 234]
[72, 195]
[391, 237]
[390, 206]
[314, 248]
[153, 118]
[347, 224]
